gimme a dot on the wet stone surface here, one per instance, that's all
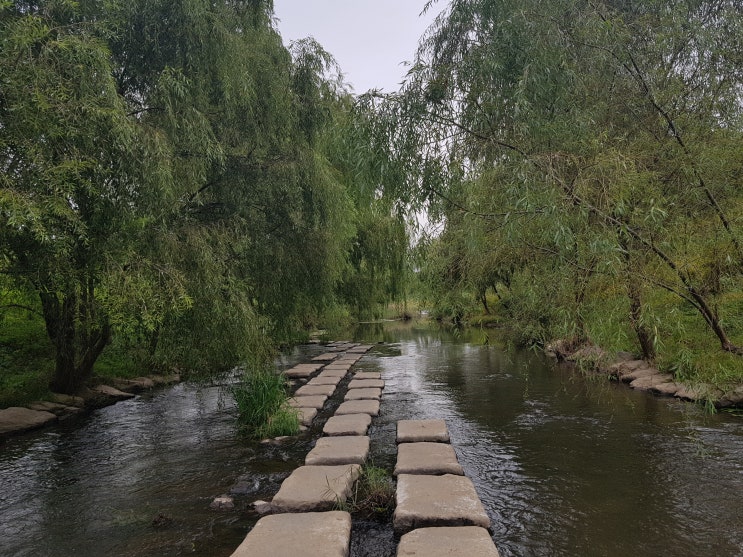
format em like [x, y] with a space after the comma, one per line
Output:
[339, 450]
[315, 401]
[370, 407]
[315, 488]
[366, 384]
[350, 424]
[424, 501]
[315, 390]
[463, 541]
[363, 394]
[415, 431]
[326, 534]
[427, 458]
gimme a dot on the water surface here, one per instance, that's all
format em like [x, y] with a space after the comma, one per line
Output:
[565, 466]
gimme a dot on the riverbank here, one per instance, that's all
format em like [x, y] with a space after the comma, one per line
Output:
[57, 407]
[643, 376]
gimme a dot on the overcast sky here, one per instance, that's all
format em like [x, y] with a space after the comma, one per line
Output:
[370, 39]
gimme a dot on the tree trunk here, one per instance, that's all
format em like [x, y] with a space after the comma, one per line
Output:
[78, 339]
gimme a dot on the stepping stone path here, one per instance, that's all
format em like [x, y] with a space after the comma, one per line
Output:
[350, 424]
[302, 371]
[370, 407]
[325, 534]
[439, 515]
[325, 380]
[366, 384]
[367, 375]
[427, 458]
[310, 528]
[463, 541]
[351, 449]
[315, 488]
[314, 390]
[363, 394]
[416, 431]
[438, 511]
[316, 401]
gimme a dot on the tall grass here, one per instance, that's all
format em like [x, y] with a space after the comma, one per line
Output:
[261, 399]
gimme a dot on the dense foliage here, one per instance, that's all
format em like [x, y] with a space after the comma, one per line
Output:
[585, 158]
[177, 185]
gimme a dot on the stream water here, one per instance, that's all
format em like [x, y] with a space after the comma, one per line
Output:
[564, 465]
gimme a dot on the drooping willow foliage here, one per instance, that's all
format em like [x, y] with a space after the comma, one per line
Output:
[175, 180]
[585, 157]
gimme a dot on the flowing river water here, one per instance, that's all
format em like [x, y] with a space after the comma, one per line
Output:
[565, 465]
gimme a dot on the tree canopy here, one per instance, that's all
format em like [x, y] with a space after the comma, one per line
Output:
[173, 180]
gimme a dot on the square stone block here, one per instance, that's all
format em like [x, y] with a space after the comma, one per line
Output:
[349, 424]
[462, 541]
[315, 488]
[363, 394]
[314, 390]
[302, 371]
[363, 349]
[306, 415]
[330, 451]
[315, 401]
[415, 431]
[325, 534]
[368, 375]
[425, 501]
[334, 372]
[328, 356]
[366, 384]
[427, 458]
[370, 407]
[325, 380]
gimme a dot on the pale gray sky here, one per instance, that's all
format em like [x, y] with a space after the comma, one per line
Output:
[369, 38]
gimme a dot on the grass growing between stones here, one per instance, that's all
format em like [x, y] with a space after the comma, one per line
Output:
[373, 496]
[261, 402]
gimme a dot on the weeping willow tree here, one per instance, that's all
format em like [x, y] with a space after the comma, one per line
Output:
[587, 155]
[170, 180]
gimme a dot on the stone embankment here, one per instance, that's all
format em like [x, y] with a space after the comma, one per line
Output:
[38, 414]
[438, 512]
[641, 375]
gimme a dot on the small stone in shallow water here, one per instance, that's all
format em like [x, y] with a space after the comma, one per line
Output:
[262, 507]
[223, 502]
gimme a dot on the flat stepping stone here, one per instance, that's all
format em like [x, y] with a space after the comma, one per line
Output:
[462, 541]
[329, 451]
[416, 431]
[334, 372]
[315, 488]
[302, 371]
[315, 401]
[363, 394]
[314, 390]
[325, 380]
[363, 349]
[306, 415]
[325, 534]
[325, 357]
[424, 501]
[427, 458]
[344, 367]
[368, 375]
[366, 384]
[349, 424]
[370, 407]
